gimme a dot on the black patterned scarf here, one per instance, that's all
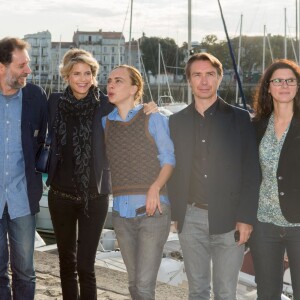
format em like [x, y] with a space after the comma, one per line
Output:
[82, 111]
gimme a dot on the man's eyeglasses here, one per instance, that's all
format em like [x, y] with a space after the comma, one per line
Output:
[280, 81]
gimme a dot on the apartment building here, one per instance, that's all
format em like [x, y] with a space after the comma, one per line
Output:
[108, 48]
[40, 54]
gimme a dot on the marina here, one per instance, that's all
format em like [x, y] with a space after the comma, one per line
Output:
[171, 272]
[112, 276]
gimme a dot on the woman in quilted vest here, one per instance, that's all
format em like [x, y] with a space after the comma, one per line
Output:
[141, 157]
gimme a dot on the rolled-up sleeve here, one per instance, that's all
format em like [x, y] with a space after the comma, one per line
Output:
[159, 130]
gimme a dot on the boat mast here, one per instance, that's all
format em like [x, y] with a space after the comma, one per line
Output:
[129, 45]
[59, 54]
[264, 51]
[296, 11]
[233, 59]
[189, 42]
[285, 40]
[239, 59]
[158, 73]
[299, 30]
[40, 62]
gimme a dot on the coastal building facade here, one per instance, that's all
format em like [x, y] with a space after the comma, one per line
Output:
[108, 48]
[40, 54]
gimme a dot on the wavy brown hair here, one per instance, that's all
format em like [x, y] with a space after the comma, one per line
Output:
[263, 100]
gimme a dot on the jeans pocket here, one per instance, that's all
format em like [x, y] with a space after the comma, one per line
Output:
[165, 210]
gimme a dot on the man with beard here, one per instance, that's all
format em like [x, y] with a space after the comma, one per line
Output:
[23, 124]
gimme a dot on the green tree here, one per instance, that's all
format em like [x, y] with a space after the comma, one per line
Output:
[171, 54]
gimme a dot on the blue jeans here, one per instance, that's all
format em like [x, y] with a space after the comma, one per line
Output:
[268, 244]
[141, 241]
[77, 238]
[21, 233]
[205, 254]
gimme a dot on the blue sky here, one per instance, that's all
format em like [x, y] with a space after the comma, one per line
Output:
[162, 18]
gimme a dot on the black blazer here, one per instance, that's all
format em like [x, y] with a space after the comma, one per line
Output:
[288, 172]
[33, 131]
[233, 178]
[101, 168]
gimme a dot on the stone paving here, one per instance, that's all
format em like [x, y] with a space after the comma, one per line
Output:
[111, 284]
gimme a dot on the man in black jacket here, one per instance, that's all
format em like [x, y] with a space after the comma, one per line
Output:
[23, 124]
[214, 188]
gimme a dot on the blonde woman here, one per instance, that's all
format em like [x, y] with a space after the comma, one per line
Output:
[79, 175]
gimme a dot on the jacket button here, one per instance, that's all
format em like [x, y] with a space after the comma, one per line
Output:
[280, 177]
[281, 193]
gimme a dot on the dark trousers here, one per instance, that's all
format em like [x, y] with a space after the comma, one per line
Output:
[77, 238]
[268, 244]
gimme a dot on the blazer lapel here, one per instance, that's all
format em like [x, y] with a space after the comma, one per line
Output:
[293, 133]
[25, 107]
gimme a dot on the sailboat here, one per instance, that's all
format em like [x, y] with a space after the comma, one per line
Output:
[166, 101]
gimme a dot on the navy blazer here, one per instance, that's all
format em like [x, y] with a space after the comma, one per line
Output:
[288, 171]
[233, 177]
[101, 167]
[33, 131]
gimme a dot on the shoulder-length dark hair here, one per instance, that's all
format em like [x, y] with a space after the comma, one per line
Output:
[263, 101]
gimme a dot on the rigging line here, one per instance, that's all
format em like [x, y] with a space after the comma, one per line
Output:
[125, 20]
[269, 44]
[146, 78]
[164, 65]
[122, 33]
[252, 17]
[292, 42]
[233, 59]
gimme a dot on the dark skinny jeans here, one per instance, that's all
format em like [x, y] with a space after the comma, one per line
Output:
[77, 238]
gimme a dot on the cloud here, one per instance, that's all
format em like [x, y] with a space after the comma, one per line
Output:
[163, 18]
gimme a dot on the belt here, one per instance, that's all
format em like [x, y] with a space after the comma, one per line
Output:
[199, 205]
[70, 196]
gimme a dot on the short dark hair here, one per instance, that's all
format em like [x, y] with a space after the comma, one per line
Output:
[205, 57]
[8, 45]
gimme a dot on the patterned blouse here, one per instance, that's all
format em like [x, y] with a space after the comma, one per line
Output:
[269, 210]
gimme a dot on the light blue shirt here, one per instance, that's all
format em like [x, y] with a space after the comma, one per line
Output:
[13, 185]
[159, 130]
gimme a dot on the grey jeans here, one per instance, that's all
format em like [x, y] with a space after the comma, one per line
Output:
[206, 257]
[141, 240]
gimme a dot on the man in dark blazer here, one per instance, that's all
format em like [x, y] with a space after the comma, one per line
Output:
[23, 124]
[214, 188]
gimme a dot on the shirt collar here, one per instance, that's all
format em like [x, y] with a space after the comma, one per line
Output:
[114, 115]
[211, 110]
[13, 96]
